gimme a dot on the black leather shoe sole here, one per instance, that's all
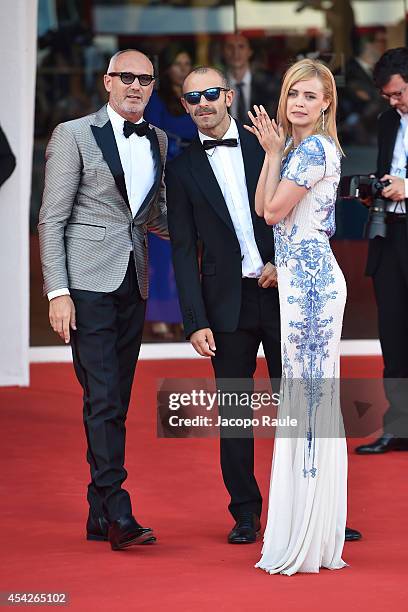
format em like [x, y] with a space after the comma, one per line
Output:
[246, 530]
[243, 539]
[144, 538]
[93, 537]
[379, 450]
[352, 535]
[385, 444]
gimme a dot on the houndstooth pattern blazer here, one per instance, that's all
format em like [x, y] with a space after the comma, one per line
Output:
[86, 226]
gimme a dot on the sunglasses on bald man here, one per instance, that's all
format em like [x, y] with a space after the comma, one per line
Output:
[128, 77]
[211, 94]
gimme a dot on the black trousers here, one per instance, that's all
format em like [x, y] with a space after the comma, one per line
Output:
[391, 291]
[105, 350]
[236, 358]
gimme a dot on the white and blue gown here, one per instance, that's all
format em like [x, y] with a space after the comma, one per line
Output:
[308, 490]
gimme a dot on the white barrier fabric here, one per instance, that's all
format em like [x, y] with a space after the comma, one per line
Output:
[18, 40]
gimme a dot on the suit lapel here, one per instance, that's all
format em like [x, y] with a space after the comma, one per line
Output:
[206, 181]
[250, 155]
[253, 158]
[155, 148]
[105, 139]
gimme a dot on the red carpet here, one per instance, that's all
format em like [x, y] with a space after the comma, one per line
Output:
[177, 489]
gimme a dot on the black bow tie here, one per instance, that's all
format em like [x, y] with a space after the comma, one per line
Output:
[141, 129]
[226, 142]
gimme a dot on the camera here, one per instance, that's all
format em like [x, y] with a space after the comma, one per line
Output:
[368, 189]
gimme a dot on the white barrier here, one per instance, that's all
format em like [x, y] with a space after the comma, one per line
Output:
[18, 39]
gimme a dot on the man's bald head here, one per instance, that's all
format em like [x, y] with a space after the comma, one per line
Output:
[206, 74]
[128, 100]
[114, 60]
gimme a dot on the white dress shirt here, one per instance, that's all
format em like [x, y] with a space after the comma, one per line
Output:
[228, 166]
[135, 155]
[138, 167]
[399, 162]
[246, 91]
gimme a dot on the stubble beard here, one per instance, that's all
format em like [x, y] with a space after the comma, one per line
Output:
[128, 108]
[208, 122]
[132, 109]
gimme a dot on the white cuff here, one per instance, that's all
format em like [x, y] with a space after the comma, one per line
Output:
[57, 293]
[406, 187]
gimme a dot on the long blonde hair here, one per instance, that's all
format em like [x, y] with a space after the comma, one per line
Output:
[304, 70]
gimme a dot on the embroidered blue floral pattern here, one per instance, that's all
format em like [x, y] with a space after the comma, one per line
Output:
[309, 154]
[311, 285]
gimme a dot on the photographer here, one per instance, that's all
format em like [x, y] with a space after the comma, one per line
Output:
[387, 262]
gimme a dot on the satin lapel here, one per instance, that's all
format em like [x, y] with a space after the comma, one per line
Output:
[250, 155]
[105, 139]
[206, 181]
[158, 169]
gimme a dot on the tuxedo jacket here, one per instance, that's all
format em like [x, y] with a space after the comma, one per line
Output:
[388, 126]
[7, 159]
[209, 283]
[86, 225]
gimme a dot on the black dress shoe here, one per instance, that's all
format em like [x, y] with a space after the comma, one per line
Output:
[352, 535]
[245, 530]
[126, 531]
[387, 442]
[97, 528]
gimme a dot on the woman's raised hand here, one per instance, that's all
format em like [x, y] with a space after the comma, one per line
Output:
[270, 135]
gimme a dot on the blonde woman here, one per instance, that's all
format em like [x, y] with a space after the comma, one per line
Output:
[296, 193]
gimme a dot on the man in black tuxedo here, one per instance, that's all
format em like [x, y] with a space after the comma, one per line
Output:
[387, 262]
[7, 159]
[230, 303]
[251, 86]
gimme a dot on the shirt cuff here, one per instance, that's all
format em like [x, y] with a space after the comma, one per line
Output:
[57, 293]
[406, 187]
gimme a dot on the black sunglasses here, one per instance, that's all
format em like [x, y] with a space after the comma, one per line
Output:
[128, 77]
[211, 94]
